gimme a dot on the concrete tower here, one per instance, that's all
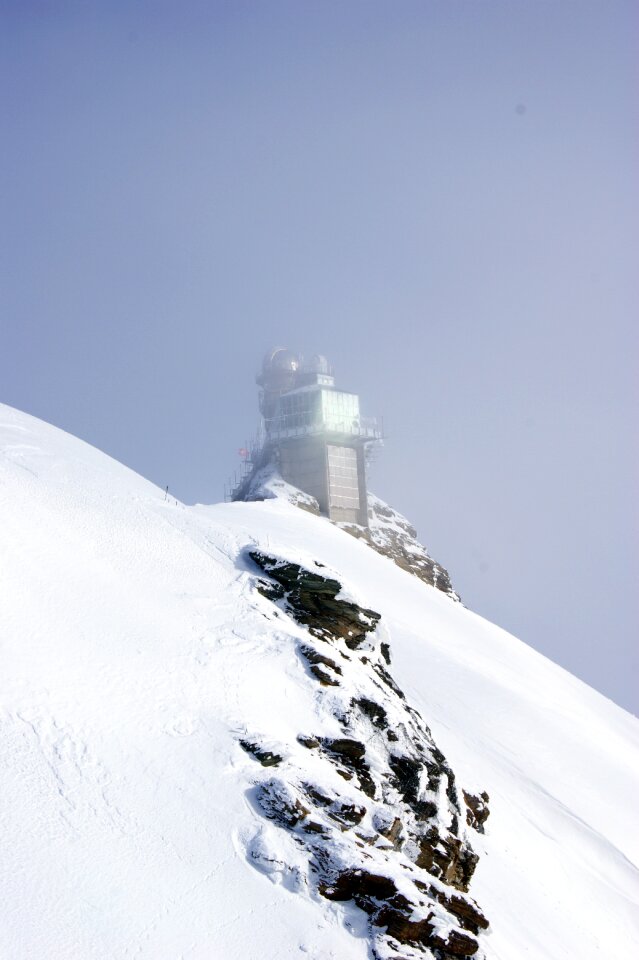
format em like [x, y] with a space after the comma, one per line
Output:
[315, 434]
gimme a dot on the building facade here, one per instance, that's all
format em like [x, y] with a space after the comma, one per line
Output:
[315, 434]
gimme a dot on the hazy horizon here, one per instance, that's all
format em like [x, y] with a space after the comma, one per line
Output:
[440, 197]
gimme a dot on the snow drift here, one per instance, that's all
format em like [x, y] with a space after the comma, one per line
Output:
[139, 655]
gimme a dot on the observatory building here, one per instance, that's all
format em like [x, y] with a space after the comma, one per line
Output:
[314, 434]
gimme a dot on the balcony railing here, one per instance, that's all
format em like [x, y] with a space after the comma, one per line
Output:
[285, 428]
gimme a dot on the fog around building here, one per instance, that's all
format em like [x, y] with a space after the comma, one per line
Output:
[439, 197]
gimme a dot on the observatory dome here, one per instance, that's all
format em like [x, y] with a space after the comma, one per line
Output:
[319, 364]
[280, 358]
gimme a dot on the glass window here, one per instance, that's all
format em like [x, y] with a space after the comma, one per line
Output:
[299, 409]
[340, 411]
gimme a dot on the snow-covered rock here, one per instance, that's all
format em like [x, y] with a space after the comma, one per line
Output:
[391, 534]
[393, 839]
[388, 531]
[159, 701]
[266, 483]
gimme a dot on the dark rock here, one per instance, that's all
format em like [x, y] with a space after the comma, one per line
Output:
[457, 945]
[395, 915]
[463, 861]
[392, 736]
[394, 833]
[407, 777]
[311, 743]
[434, 772]
[374, 711]
[366, 782]
[292, 577]
[314, 656]
[317, 795]
[318, 662]
[359, 885]
[477, 811]
[401, 928]
[467, 913]
[265, 757]
[272, 591]
[324, 677]
[312, 827]
[426, 856]
[350, 750]
[448, 858]
[348, 813]
[451, 790]
[351, 753]
[438, 756]
[312, 600]
[385, 651]
[278, 807]
[424, 809]
[384, 675]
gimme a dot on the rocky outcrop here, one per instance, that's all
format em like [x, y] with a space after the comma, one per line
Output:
[390, 534]
[367, 797]
[313, 602]
[266, 757]
[477, 811]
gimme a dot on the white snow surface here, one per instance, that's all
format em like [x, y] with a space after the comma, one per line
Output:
[136, 651]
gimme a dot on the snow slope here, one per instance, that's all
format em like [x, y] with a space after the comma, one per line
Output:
[136, 651]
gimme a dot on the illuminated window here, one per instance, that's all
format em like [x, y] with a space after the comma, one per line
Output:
[340, 411]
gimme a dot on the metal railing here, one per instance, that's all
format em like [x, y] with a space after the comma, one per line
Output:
[281, 428]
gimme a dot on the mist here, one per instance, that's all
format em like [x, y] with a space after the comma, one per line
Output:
[439, 197]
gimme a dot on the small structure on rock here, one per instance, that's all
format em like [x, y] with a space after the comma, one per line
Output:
[312, 450]
[314, 434]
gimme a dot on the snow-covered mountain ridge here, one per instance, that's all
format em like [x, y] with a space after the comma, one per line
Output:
[139, 654]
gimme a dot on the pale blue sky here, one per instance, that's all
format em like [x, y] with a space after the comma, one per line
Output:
[440, 196]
